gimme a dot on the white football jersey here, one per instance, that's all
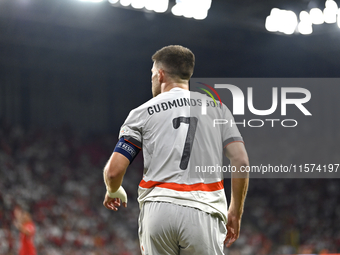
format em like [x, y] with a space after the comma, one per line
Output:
[180, 145]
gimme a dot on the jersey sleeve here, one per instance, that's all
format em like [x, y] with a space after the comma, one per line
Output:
[131, 130]
[230, 132]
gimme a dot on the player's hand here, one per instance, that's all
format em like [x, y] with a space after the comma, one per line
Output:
[113, 203]
[233, 228]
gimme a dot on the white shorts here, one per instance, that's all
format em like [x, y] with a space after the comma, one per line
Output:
[171, 229]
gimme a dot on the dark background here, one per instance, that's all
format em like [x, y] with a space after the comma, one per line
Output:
[89, 64]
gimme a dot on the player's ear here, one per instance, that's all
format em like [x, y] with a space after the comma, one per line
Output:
[161, 74]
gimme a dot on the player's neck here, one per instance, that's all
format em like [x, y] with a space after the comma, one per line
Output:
[169, 86]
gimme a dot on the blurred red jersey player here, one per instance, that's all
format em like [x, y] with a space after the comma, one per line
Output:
[24, 223]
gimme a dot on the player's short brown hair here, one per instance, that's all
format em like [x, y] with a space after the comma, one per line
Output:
[176, 60]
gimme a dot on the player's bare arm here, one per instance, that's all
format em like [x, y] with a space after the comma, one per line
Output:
[114, 172]
[20, 226]
[238, 157]
[22, 229]
[20, 218]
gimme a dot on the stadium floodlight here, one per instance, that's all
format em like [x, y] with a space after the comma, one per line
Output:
[304, 16]
[329, 15]
[331, 5]
[189, 13]
[177, 10]
[197, 9]
[330, 11]
[125, 2]
[316, 16]
[159, 6]
[138, 4]
[270, 24]
[281, 21]
[273, 20]
[200, 14]
[91, 1]
[286, 21]
[305, 28]
[289, 26]
[200, 11]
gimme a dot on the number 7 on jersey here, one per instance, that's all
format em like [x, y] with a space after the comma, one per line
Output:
[192, 121]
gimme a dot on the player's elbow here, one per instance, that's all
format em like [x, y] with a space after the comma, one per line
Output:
[116, 167]
[112, 173]
[241, 159]
[241, 162]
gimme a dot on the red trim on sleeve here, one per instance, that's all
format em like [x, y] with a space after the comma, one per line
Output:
[233, 142]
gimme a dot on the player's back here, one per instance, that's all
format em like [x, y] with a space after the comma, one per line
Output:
[180, 145]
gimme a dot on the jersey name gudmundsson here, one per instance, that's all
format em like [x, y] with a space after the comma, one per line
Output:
[179, 102]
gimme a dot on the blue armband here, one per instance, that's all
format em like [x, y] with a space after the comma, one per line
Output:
[127, 148]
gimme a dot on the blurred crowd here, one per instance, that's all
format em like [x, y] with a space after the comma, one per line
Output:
[287, 216]
[58, 174]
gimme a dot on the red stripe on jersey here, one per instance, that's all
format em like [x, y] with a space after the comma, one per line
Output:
[183, 187]
[133, 144]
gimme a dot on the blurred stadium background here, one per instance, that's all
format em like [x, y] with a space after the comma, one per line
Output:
[70, 72]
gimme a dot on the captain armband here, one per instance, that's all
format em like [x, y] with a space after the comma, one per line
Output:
[127, 148]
